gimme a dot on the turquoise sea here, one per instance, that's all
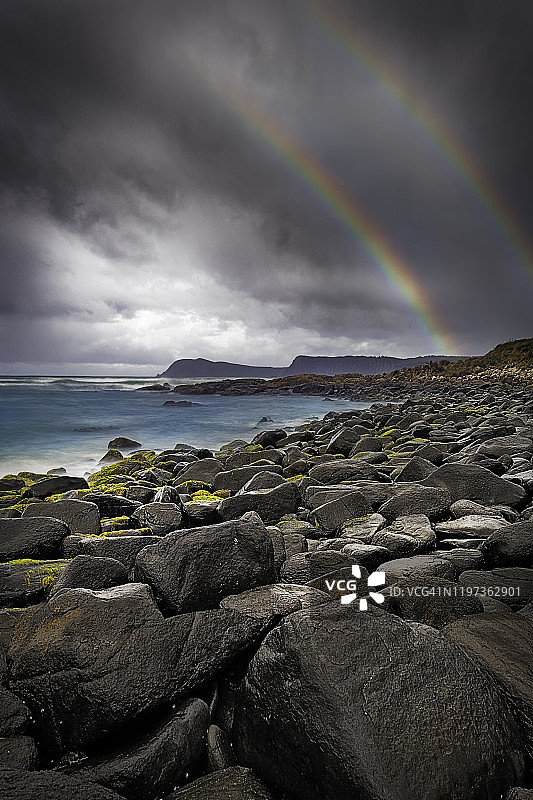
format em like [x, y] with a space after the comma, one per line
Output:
[49, 422]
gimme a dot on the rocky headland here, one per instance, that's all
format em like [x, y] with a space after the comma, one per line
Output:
[199, 625]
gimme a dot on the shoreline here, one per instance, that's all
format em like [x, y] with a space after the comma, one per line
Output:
[148, 603]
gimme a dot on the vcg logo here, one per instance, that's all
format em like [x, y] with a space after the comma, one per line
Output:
[350, 586]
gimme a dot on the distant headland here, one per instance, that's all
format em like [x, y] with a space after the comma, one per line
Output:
[301, 365]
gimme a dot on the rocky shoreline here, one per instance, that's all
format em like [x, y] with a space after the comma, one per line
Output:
[344, 611]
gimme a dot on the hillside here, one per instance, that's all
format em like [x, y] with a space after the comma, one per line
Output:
[516, 354]
[301, 365]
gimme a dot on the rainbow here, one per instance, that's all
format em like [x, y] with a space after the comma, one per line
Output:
[448, 145]
[342, 207]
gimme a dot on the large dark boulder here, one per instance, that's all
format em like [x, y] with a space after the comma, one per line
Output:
[18, 752]
[419, 568]
[23, 785]
[112, 505]
[14, 715]
[278, 599]
[57, 485]
[234, 479]
[91, 572]
[417, 500]
[28, 581]
[366, 705]
[121, 548]
[510, 546]
[343, 469]
[89, 664]
[203, 470]
[270, 504]
[510, 585]
[304, 567]
[470, 482]
[233, 783]
[269, 438]
[80, 516]
[31, 538]
[330, 516]
[161, 518]
[151, 767]
[501, 645]
[194, 569]
[123, 443]
[437, 603]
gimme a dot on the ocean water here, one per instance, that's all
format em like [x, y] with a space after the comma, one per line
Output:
[49, 422]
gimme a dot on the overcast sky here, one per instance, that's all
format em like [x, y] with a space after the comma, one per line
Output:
[146, 217]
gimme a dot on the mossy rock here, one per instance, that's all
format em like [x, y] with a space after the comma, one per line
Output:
[108, 524]
[27, 580]
[192, 487]
[111, 456]
[204, 497]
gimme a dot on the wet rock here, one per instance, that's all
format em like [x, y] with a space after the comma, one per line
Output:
[269, 438]
[501, 645]
[163, 758]
[510, 585]
[304, 567]
[92, 572]
[510, 546]
[123, 443]
[31, 538]
[220, 753]
[195, 569]
[120, 548]
[17, 784]
[470, 482]
[437, 603]
[234, 479]
[330, 516]
[270, 504]
[18, 752]
[433, 502]
[418, 568]
[278, 599]
[62, 483]
[161, 518]
[234, 783]
[88, 663]
[80, 516]
[318, 688]
[474, 525]
[342, 469]
[28, 580]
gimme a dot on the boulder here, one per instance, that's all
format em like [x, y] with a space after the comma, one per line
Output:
[343, 441]
[366, 705]
[304, 567]
[406, 536]
[121, 547]
[342, 469]
[270, 504]
[501, 645]
[28, 581]
[31, 538]
[474, 525]
[510, 585]
[61, 483]
[162, 758]
[433, 502]
[470, 482]
[437, 603]
[23, 785]
[92, 572]
[269, 438]
[233, 783]
[363, 528]
[195, 569]
[88, 664]
[278, 599]
[220, 753]
[161, 518]
[123, 443]
[330, 516]
[235, 479]
[505, 446]
[80, 516]
[17, 752]
[112, 505]
[367, 555]
[266, 479]
[203, 470]
[14, 715]
[294, 543]
[416, 469]
[511, 546]
[418, 568]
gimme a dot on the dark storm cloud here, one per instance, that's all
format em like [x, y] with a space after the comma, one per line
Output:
[144, 219]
